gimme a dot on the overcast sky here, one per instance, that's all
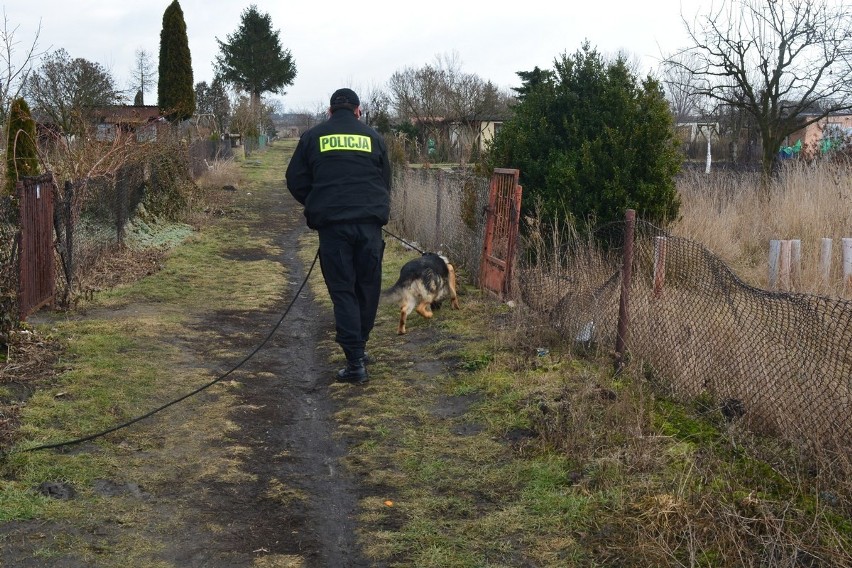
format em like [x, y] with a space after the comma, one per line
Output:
[361, 44]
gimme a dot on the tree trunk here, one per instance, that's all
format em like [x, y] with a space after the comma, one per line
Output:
[767, 165]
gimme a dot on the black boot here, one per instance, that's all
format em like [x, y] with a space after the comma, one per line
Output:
[354, 372]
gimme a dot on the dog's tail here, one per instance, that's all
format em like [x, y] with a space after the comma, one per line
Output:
[394, 293]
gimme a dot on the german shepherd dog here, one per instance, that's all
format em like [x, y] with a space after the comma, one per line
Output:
[423, 283]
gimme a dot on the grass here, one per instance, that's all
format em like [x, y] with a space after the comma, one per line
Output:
[116, 368]
[556, 462]
[727, 213]
[509, 449]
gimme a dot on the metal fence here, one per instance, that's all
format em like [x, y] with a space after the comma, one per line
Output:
[90, 217]
[202, 154]
[774, 363]
[36, 281]
[442, 211]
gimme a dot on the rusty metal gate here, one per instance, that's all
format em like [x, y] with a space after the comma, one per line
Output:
[36, 276]
[501, 232]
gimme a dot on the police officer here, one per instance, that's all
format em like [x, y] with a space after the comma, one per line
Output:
[341, 174]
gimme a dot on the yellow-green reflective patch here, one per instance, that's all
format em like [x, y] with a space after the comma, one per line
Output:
[345, 142]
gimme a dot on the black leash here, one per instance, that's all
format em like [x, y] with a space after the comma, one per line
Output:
[403, 241]
[184, 397]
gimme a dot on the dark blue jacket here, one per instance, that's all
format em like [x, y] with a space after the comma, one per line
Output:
[340, 172]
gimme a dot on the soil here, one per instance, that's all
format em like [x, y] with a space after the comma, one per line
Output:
[290, 432]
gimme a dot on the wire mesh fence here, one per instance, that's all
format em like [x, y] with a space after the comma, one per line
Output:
[442, 211]
[775, 367]
[203, 153]
[157, 183]
[776, 363]
[91, 216]
[8, 264]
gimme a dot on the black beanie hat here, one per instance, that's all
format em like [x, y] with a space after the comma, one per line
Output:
[343, 97]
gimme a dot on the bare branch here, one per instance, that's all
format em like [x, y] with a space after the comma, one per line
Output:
[14, 69]
[787, 64]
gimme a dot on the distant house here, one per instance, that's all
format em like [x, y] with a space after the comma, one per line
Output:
[143, 121]
[830, 133]
[474, 132]
[697, 131]
[462, 138]
[291, 125]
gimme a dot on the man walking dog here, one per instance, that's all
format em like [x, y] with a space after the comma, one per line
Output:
[340, 173]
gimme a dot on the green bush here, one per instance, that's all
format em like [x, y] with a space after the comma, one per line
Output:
[171, 189]
[8, 268]
[21, 150]
[590, 141]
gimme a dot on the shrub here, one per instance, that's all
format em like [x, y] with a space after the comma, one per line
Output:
[21, 151]
[590, 141]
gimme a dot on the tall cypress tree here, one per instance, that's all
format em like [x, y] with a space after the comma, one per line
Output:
[21, 151]
[175, 92]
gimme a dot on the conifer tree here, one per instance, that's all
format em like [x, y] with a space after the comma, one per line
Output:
[21, 150]
[175, 93]
[590, 140]
[253, 60]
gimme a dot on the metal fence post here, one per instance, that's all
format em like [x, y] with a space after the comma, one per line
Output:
[785, 260]
[69, 238]
[846, 243]
[626, 278]
[438, 206]
[660, 246]
[120, 184]
[774, 263]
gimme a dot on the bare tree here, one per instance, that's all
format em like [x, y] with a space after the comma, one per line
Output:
[14, 69]
[442, 93]
[213, 100]
[63, 89]
[142, 75]
[416, 97]
[682, 87]
[784, 62]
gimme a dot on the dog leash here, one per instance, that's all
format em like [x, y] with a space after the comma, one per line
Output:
[403, 241]
[254, 352]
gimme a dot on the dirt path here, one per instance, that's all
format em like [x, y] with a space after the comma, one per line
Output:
[282, 429]
[291, 434]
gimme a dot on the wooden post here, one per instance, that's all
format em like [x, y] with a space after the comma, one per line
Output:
[774, 259]
[438, 205]
[825, 262]
[784, 265]
[796, 264]
[69, 237]
[709, 156]
[626, 278]
[847, 264]
[660, 246]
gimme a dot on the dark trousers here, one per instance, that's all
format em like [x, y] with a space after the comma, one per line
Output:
[351, 262]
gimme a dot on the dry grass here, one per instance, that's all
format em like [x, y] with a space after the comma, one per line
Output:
[220, 174]
[217, 187]
[726, 213]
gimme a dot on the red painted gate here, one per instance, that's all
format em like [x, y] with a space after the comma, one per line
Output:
[36, 277]
[501, 232]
